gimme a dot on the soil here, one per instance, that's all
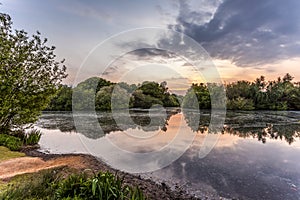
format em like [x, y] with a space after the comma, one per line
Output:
[36, 161]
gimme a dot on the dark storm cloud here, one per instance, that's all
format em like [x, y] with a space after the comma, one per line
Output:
[246, 32]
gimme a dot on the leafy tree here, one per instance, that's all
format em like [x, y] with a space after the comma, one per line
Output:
[280, 93]
[62, 101]
[141, 100]
[152, 89]
[240, 103]
[29, 75]
[130, 88]
[171, 100]
[200, 93]
[85, 93]
[93, 83]
[151, 93]
[103, 98]
[239, 89]
[294, 97]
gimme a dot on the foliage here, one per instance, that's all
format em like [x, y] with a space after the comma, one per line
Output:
[50, 185]
[33, 137]
[282, 94]
[62, 101]
[101, 186]
[15, 140]
[197, 97]
[141, 100]
[262, 95]
[113, 93]
[31, 186]
[149, 94]
[29, 74]
[85, 93]
[244, 95]
[240, 103]
[11, 142]
[123, 95]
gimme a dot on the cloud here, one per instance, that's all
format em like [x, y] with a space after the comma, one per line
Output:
[246, 32]
[186, 64]
[149, 53]
[87, 10]
[202, 14]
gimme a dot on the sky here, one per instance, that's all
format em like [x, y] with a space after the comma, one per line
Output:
[243, 39]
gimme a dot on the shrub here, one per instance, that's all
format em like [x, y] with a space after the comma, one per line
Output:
[11, 142]
[33, 137]
[101, 186]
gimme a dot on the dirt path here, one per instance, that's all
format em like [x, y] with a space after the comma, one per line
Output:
[16, 166]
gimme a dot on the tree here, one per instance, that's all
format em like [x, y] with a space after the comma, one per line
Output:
[151, 93]
[113, 93]
[200, 93]
[85, 93]
[240, 103]
[29, 75]
[62, 101]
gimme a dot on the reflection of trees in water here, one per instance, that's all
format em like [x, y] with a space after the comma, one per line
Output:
[140, 119]
[57, 120]
[197, 121]
[260, 125]
[287, 132]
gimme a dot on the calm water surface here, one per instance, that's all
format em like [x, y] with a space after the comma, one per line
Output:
[257, 155]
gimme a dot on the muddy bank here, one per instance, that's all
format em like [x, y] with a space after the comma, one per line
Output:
[36, 161]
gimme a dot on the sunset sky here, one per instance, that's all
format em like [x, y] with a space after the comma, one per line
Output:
[245, 39]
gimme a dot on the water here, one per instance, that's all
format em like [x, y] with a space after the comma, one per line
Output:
[257, 155]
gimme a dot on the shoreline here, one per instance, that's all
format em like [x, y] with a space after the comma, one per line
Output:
[152, 189]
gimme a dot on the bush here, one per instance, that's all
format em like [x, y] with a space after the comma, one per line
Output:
[33, 137]
[16, 139]
[11, 142]
[101, 186]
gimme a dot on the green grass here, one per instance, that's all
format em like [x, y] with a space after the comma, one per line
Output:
[6, 154]
[28, 186]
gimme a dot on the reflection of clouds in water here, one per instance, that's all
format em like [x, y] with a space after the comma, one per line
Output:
[140, 154]
[57, 142]
[126, 152]
[268, 169]
[113, 145]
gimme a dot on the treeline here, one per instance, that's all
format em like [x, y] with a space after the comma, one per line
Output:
[102, 91]
[280, 94]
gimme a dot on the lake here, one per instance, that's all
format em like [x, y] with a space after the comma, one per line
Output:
[255, 156]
